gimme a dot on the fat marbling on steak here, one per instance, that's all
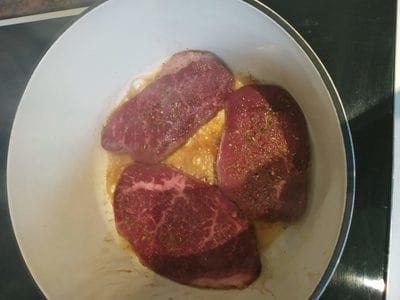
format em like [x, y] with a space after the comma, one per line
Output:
[185, 229]
[264, 153]
[189, 90]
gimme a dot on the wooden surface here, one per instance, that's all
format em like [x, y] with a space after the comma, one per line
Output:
[18, 8]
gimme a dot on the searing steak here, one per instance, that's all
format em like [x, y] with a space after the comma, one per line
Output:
[264, 153]
[185, 229]
[189, 90]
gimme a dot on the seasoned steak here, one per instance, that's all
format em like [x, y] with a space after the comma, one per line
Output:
[264, 153]
[189, 91]
[185, 229]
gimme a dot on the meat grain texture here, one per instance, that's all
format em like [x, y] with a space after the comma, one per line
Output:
[188, 91]
[264, 153]
[185, 229]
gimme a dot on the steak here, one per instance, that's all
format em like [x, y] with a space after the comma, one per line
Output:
[264, 153]
[189, 90]
[185, 229]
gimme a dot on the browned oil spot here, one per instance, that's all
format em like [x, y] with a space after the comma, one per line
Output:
[123, 271]
[115, 166]
[198, 156]
[267, 232]
[312, 275]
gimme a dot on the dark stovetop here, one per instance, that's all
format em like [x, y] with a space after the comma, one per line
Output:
[355, 41]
